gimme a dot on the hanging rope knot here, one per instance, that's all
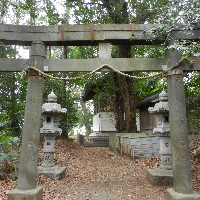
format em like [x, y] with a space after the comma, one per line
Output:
[192, 62]
[164, 73]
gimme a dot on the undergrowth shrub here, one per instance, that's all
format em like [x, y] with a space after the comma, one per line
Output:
[9, 156]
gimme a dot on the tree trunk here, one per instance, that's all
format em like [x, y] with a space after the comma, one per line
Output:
[125, 109]
[126, 90]
[119, 107]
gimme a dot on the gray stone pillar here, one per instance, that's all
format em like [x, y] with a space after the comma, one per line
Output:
[27, 188]
[182, 179]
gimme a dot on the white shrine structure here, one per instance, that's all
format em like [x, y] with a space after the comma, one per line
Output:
[103, 123]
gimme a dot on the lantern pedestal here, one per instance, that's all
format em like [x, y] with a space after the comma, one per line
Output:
[48, 167]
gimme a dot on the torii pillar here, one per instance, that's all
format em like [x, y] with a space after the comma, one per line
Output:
[182, 178]
[27, 188]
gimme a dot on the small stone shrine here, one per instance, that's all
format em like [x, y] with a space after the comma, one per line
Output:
[50, 130]
[163, 174]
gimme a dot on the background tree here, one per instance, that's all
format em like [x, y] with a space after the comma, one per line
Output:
[12, 98]
[116, 12]
[167, 12]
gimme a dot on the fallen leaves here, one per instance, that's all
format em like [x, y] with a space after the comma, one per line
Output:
[195, 164]
[97, 173]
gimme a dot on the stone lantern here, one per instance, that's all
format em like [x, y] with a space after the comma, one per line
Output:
[50, 130]
[161, 110]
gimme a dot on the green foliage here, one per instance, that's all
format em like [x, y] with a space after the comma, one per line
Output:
[7, 51]
[12, 96]
[9, 156]
[69, 98]
[83, 52]
[30, 6]
[148, 51]
[178, 12]
[12, 100]
[52, 14]
[192, 85]
[85, 115]
[105, 91]
[138, 12]
[148, 86]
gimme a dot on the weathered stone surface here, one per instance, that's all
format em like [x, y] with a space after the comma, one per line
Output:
[50, 129]
[55, 172]
[161, 110]
[172, 195]
[97, 141]
[182, 178]
[160, 176]
[89, 34]
[113, 141]
[86, 65]
[31, 135]
[34, 194]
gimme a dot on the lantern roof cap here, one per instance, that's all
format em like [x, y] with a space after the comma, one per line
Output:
[163, 96]
[52, 97]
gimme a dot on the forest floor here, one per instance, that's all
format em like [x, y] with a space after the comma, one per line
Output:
[96, 173]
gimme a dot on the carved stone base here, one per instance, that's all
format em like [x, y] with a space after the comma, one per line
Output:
[55, 172]
[160, 176]
[34, 194]
[172, 195]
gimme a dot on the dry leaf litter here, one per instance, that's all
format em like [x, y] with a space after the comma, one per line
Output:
[96, 173]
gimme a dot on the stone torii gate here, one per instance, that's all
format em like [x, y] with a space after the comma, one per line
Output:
[104, 35]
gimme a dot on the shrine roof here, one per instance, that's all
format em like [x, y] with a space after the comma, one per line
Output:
[151, 98]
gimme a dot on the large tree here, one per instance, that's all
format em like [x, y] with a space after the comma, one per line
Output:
[137, 12]
[117, 12]
[12, 98]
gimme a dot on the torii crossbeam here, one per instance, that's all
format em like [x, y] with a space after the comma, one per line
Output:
[103, 35]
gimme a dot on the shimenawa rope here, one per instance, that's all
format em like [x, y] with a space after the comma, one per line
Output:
[111, 68]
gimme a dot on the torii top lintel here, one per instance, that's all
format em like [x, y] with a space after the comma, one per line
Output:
[103, 35]
[92, 34]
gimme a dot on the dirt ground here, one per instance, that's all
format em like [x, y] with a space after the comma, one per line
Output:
[96, 173]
